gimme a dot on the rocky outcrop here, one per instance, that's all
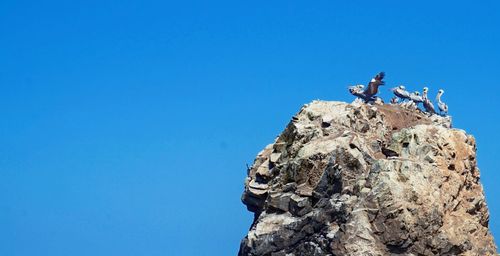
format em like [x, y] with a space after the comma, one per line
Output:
[357, 179]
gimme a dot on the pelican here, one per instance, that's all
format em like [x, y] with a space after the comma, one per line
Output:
[429, 107]
[368, 94]
[415, 97]
[401, 92]
[394, 100]
[356, 91]
[378, 100]
[358, 88]
[373, 85]
[443, 108]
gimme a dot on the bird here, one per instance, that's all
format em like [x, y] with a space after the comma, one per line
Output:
[388, 153]
[358, 92]
[373, 85]
[379, 101]
[394, 100]
[368, 94]
[358, 88]
[401, 92]
[443, 108]
[429, 107]
[415, 97]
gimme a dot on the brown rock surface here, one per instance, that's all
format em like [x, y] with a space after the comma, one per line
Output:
[356, 179]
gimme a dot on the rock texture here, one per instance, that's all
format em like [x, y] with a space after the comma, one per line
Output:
[356, 179]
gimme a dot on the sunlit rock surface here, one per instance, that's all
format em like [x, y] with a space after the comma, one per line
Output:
[357, 179]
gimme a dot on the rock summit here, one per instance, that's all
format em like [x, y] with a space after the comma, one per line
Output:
[359, 179]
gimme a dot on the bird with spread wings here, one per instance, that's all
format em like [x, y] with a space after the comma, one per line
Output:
[369, 93]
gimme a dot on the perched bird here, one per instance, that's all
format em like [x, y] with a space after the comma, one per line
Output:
[443, 108]
[378, 100]
[358, 92]
[357, 88]
[368, 95]
[394, 100]
[429, 107]
[388, 153]
[401, 92]
[415, 97]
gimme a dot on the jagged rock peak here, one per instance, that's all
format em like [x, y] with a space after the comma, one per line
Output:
[357, 179]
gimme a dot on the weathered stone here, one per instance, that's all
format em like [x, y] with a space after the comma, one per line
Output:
[299, 206]
[274, 157]
[263, 170]
[280, 201]
[325, 187]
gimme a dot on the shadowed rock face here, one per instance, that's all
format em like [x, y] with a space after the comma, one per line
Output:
[356, 179]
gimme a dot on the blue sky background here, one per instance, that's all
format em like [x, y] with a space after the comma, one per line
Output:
[125, 126]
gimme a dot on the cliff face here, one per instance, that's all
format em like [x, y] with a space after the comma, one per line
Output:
[356, 179]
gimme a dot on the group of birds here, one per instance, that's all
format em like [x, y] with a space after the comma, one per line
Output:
[401, 94]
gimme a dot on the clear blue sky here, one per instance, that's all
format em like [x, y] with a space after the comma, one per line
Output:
[125, 126]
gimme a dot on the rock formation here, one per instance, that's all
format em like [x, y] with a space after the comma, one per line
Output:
[357, 179]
